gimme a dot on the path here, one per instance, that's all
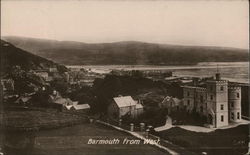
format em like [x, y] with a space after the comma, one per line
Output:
[140, 137]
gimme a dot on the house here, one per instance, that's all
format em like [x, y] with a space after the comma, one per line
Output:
[43, 73]
[63, 101]
[171, 103]
[23, 100]
[124, 105]
[53, 69]
[7, 84]
[139, 109]
[57, 99]
[218, 101]
[81, 107]
[77, 107]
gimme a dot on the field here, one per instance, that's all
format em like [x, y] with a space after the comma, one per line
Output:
[232, 141]
[73, 141]
[36, 119]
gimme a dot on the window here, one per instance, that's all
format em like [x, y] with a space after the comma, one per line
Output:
[221, 88]
[187, 93]
[211, 97]
[222, 118]
[221, 107]
[232, 115]
[201, 108]
[232, 104]
[211, 88]
[188, 102]
[201, 98]
[238, 115]
[238, 95]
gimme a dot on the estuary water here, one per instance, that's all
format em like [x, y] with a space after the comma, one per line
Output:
[233, 71]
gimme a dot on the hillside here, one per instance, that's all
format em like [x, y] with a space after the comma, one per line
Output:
[126, 53]
[13, 56]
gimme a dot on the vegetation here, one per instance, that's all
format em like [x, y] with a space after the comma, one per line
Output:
[74, 141]
[113, 86]
[233, 141]
[25, 82]
[126, 53]
[24, 120]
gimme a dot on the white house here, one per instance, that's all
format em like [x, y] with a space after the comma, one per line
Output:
[171, 103]
[123, 105]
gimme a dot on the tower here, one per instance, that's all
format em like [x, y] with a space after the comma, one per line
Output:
[234, 103]
[217, 101]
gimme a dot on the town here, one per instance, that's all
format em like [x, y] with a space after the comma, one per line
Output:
[145, 102]
[124, 77]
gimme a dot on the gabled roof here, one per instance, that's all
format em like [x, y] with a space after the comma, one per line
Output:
[167, 98]
[124, 101]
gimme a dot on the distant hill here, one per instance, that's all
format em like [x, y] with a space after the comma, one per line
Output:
[126, 53]
[13, 56]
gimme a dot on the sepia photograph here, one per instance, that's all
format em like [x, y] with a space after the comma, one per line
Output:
[124, 77]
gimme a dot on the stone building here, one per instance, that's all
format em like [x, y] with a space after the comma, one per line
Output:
[124, 105]
[217, 100]
[171, 104]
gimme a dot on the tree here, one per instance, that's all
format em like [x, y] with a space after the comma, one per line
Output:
[60, 85]
[24, 81]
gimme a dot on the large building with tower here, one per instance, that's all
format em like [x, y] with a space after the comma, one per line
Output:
[218, 100]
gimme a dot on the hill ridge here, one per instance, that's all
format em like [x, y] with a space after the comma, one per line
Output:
[126, 52]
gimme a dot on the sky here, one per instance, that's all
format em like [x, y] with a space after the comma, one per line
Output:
[203, 23]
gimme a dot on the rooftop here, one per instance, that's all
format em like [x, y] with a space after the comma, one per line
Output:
[124, 101]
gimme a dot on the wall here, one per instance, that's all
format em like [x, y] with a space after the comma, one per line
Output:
[234, 104]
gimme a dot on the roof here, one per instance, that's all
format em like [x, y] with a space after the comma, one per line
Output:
[176, 100]
[68, 106]
[124, 101]
[81, 106]
[75, 103]
[167, 98]
[23, 99]
[63, 101]
[138, 106]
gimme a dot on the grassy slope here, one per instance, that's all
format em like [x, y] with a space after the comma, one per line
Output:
[73, 141]
[34, 120]
[130, 52]
[12, 56]
[232, 141]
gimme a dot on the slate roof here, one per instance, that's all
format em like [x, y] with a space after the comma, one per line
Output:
[124, 101]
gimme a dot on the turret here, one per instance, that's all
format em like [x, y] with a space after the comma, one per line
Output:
[217, 101]
[234, 101]
[217, 77]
